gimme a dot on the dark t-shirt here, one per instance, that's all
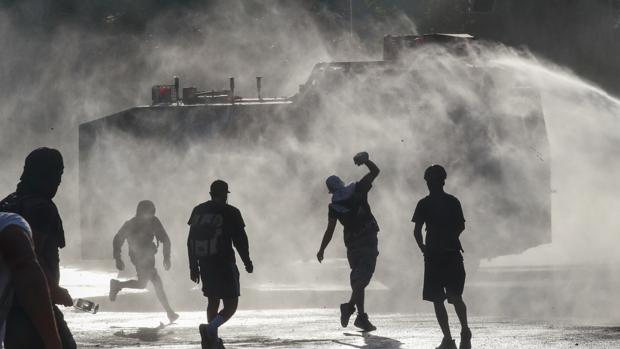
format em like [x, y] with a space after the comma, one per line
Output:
[48, 233]
[360, 226]
[443, 216]
[214, 227]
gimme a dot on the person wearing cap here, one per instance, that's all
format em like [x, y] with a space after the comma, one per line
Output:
[215, 227]
[444, 272]
[33, 200]
[139, 232]
[349, 206]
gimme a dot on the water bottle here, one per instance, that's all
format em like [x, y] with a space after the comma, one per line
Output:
[86, 305]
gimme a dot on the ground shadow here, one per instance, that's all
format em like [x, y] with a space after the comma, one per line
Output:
[372, 341]
[147, 334]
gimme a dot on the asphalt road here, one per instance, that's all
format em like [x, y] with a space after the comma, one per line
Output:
[320, 328]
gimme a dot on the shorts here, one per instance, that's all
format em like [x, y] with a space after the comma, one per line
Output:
[444, 277]
[145, 266]
[362, 261]
[220, 280]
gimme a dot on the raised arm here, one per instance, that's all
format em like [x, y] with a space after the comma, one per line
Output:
[363, 159]
[31, 289]
[327, 237]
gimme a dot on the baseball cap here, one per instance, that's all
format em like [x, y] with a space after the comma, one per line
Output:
[219, 187]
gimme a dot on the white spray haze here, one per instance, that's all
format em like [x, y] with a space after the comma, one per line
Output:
[70, 77]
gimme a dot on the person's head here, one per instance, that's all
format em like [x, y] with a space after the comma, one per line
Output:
[42, 174]
[145, 209]
[334, 183]
[219, 191]
[435, 177]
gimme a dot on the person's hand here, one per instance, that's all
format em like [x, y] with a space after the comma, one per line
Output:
[119, 264]
[167, 263]
[61, 296]
[360, 158]
[319, 256]
[249, 267]
[194, 274]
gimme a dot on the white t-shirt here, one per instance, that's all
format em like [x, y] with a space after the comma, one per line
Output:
[6, 293]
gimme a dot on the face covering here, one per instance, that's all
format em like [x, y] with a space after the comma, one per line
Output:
[339, 192]
[43, 170]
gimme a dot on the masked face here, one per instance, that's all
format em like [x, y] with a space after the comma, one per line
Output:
[334, 183]
[43, 171]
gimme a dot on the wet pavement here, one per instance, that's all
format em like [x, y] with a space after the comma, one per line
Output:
[320, 328]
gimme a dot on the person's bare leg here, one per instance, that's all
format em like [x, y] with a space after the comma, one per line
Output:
[161, 294]
[461, 311]
[230, 308]
[213, 307]
[117, 286]
[139, 283]
[442, 318]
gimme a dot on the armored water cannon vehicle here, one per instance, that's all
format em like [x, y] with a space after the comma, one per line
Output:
[481, 121]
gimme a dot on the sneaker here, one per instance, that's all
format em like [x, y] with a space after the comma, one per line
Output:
[172, 316]
[465, 339]
[208, 340]
[346, 310]
[115, 288]
[362, 322]
[447, 344]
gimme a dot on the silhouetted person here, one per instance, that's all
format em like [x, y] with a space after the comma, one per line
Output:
[444, 272]
[350, 206]
[32, 200]
[139, 233]
[22, 280]
[215, 227]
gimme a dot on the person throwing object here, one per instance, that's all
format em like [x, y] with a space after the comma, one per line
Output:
[349, 206]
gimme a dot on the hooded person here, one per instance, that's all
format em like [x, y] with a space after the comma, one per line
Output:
[32, 200]
[140, 231]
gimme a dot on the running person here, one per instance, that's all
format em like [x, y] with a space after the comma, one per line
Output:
[350, 206]
[444, 272]
[215, 227]
[139, 233]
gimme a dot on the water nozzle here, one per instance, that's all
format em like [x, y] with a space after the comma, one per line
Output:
[258, 86]
[232, 90]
